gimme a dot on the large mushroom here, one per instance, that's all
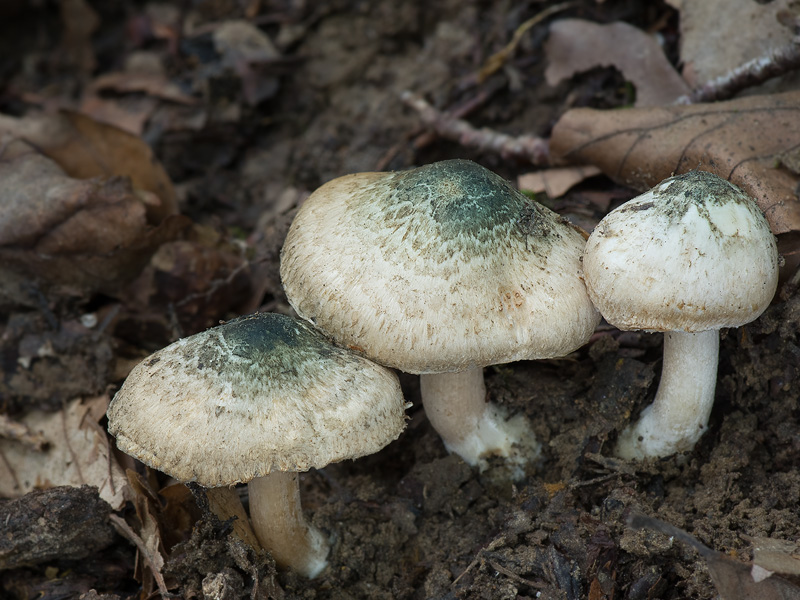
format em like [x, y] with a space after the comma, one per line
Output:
[692, 255]
[257, 400]
[440, 271]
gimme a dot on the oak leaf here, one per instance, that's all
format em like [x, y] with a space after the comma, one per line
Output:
[575, 45]
[751, 141]
[715, 40]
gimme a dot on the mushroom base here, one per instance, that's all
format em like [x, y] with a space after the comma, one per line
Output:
[473, 428]
[279, 524]
[678, 416]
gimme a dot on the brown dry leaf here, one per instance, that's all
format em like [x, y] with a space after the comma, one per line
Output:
[744, 141]
[772, 556]
[85, 148]
[139, 90]
[224, 502]
[719, 36]
[555, 182]
[77, 453]
[130, 113]
[178, 514]
[152, 84]
[59, 232]
[733, 579]
[575, 45]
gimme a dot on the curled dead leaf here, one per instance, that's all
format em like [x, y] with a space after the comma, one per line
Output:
[741, 140]
[576, 45]
[60, 232]
[85, 148]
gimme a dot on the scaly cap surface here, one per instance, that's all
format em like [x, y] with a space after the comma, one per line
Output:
[440, 268]
[692, 254]
[260, 393]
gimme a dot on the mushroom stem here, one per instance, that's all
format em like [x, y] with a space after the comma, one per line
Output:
[679, 414]
[473, 428]
[278, 521]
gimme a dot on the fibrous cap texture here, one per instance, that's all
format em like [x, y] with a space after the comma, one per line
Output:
[692, 254]
[436, 269]
[259, 393]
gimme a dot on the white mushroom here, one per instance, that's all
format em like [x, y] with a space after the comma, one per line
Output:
[257, 400]
[691, 256]
[441, 271]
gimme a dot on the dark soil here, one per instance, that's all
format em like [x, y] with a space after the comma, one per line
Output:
[411, 521]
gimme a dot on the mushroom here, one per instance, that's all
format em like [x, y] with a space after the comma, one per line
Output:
[692, 255]
[257, 400]
[440, 271]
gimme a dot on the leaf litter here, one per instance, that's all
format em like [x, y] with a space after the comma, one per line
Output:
[743, 140]
[575, 45]
[410, 522]
[76, 452]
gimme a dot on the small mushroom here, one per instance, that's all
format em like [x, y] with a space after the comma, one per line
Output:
[692, 255]
[440, 271]
[257, 400]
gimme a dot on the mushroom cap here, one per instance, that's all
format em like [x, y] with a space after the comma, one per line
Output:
[441, 268]
[692, 254]
[260, 393]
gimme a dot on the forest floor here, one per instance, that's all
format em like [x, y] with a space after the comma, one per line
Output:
[245, 131]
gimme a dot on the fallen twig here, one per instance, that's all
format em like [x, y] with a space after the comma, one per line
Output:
[751, 73]
[524, 147]
[536, 150]
[498, 59]
[514, 577]
[479, 557]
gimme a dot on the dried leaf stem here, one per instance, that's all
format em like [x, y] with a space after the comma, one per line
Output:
[152, 561]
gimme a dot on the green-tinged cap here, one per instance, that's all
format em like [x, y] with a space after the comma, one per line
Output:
[259, 393]
[440, 268]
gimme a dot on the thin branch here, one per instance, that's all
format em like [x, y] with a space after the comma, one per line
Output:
[754, 72]
[534, 149]
[498, 59]
[479, 557]
[514, 577]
